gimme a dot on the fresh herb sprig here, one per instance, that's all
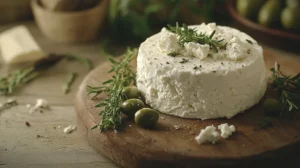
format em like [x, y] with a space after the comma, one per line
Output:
[187, 35]
[18, 78]
[123, 76]
[288, 90]
[9, 83]
[71, 79]
[87, 62]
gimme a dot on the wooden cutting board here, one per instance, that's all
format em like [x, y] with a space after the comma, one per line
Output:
[172, 143]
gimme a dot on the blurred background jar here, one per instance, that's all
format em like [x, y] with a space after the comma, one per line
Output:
[70, 21]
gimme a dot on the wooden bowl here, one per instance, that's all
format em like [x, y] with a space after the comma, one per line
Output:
[70, 27]
[270, 36]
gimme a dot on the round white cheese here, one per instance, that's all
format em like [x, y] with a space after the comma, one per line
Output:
[198, 82]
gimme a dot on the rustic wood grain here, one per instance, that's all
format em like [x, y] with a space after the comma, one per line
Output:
[167, 146]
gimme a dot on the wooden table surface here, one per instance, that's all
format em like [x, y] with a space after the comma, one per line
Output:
[19, 145]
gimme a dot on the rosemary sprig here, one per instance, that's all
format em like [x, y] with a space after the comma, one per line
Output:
[288, 90]
[81, 60]
[67, 85]
[123, 76]
[9, 83]
[191, 35]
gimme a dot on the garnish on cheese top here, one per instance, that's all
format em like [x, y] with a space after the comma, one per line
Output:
[206, 40]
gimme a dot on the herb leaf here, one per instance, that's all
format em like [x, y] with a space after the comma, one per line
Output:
[123, 76]
[9, 83]
[288, 90]
[69, 82]
[81, 60]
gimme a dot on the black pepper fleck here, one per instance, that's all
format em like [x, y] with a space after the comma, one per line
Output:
[183, 60]
[167, 63]
[248, 51]
[249, 41]
[27, 124]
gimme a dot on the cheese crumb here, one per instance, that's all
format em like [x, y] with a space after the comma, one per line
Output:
[226, 130]
[28, 106]
[39, 105]
[208, 135]
[69, 129]
[176, 127]
[196, 50]
[11, 100]
[168, 43]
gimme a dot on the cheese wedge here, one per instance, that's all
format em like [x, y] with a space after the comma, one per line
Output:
[18, 46]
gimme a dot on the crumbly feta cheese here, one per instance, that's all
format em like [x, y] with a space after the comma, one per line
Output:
[176, 127]
[226, 130]
[40, 104]
[11, 100]
[164, 29]
[168, 43]
[18, 46]
[215, 87]
[69, 129]
[28, 106]
[208, 135]
[237, 49]
[196, 50]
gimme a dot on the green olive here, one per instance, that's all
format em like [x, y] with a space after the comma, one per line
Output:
[269, 14]
[131, 106]
[146, 118]
[290, 18]
[131, 92]
[293, 3]
[249, 8]
[272, 107]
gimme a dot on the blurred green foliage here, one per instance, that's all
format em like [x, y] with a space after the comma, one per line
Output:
[135, 20]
